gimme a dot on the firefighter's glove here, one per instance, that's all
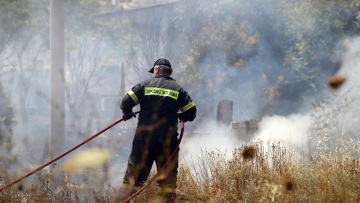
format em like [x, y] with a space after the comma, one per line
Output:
[129, 116]
[181, 117]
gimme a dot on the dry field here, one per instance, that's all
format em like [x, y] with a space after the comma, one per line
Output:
[250, 175]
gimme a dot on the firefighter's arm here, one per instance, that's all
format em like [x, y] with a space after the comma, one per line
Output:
[129, 101]
[127, 104]
[188, 108]
[188, 114]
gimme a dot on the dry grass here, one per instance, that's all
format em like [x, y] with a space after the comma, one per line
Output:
[272, 176]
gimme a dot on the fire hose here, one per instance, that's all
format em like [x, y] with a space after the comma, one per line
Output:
[89, 139]
[62, 155]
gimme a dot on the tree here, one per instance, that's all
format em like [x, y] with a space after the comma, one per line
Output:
[91, 45]
[22, 51]
[155, 37]
[293, 47]
[6, 128]
[308, 33]
[220, 41]
[85, 70]
[14, 17]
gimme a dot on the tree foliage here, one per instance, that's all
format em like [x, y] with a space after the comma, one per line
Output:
[14, 18]
[308, 33]
[300, 38]
[6, 126]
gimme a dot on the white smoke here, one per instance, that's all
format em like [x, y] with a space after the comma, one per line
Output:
[350, 66]
[291, 131]
[217, 138]
[339, 112]
[338, 117]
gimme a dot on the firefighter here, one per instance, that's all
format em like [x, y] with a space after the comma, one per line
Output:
[162, 103]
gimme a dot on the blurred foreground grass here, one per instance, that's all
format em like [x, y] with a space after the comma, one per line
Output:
[248, 176]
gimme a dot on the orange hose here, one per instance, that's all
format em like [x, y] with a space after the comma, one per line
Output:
[62, 155]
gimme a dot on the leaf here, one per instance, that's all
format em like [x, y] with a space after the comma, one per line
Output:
[336, 81]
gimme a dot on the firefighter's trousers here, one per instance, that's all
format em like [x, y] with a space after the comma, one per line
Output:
[153, 145]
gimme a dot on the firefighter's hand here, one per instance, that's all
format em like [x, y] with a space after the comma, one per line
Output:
[129, 116]
[181, 116]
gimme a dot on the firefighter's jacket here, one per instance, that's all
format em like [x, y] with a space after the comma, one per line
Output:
[160, 98]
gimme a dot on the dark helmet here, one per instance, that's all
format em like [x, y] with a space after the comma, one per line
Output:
[161, 61]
